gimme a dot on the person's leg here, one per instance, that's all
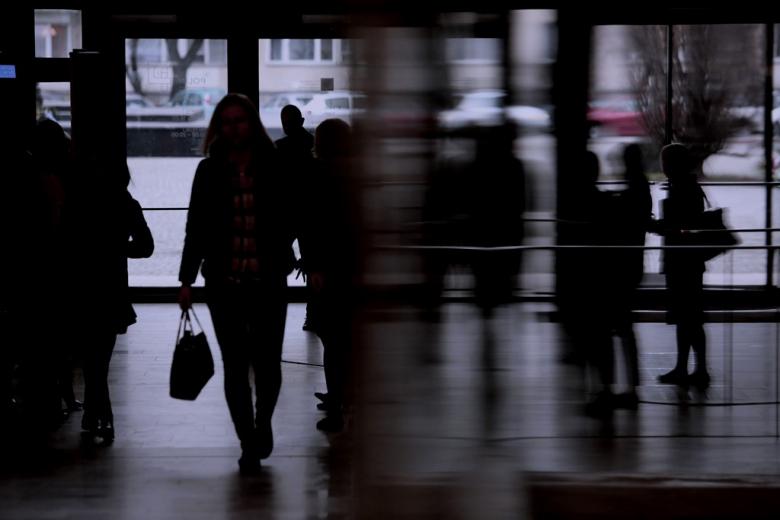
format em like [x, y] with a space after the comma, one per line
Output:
[630, 353]
[98, 349]
[229, 323]
[336, 341]
[267, 337]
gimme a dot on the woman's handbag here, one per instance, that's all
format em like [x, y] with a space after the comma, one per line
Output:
[193, 364]
[711, 230]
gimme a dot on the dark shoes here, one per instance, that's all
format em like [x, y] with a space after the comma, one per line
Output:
[626, 401]
[265, 439]
[307, 326]
[674, 377]
[73, 406]
[99, 432]
[700, 379]
[601, 406]
[332, 423]
[249, 463]
[325, 404]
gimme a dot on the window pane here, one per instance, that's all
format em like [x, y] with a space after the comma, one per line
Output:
[473, 49]
[167, 111]
[276, 50]
[718, 112]
[326, 50]
[57, 32]
[301, 50]
[217, 52]
[53, 102]
[300, 83]
[146, 50]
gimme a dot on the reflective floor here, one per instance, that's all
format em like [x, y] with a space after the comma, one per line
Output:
[453, 421]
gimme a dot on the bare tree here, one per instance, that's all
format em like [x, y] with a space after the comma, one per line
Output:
[179, 64]
[716, 77]
[132, 70]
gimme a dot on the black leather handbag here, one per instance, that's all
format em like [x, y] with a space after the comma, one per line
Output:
[712, 231]
[193, 364]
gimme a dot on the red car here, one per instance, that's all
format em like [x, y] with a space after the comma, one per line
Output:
[616, 118]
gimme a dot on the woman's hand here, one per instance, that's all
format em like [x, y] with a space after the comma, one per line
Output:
[185, 297]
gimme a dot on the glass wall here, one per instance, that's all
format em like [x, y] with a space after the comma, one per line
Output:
[717, 109]
[172, 87]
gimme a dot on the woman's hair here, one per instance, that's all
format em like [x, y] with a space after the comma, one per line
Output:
[677, 161]
[259, 139]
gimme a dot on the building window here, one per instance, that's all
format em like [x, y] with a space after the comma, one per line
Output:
[473, 50]
[303, 51]
[57, 32]
[216, 52]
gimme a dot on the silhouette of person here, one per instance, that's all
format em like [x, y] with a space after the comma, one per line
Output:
[495, 204]
[51, 159]
[330, 256]
[240, 229]
[29, 267]
[297, 142]
[105, 226]
[295, 150]
[590, 319]
[631, 213]
[684, 269]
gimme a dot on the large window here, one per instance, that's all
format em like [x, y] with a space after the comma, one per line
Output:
[172, 87]
[716, 90]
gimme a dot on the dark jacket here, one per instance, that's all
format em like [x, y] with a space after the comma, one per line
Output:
[105, 226]
[329, 242]
[297, 145]
[208, 239]
[682, 210]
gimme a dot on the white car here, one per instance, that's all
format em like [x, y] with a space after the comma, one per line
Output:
[271, 107]
[339, 104]
[486, 108]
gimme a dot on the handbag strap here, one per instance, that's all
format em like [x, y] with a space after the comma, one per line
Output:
[182, 325]
[192, 310]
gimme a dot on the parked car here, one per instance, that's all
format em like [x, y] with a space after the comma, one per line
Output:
[616, 117]
[341, 104]
[204, 98]
[271, 106]
[487, 107]
[137, 100]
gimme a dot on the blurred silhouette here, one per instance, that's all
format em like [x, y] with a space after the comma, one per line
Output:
[587, 311]
[495, 204]
[30, 267]
[479, 204]
[330, 256]
[684, 269]
[630, 213]
[51, 158]
[295, 150]
[105, 227]
[241, 229]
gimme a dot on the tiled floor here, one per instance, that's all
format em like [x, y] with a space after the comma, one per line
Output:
[450, 421]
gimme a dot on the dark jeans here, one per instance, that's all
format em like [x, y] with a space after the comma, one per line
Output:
[98, 348]
[249, 322]
[333, 309]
